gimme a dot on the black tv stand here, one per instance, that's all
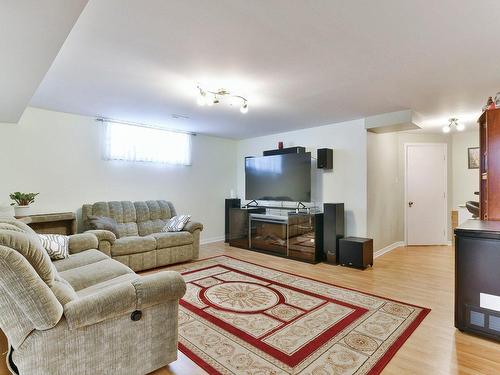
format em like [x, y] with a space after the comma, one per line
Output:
[297, 235]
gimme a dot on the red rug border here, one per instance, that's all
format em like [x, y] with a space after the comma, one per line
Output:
[309, 278]
[375, 370]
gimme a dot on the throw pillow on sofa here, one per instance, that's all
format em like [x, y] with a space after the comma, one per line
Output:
[56, 245]
[103, 222]
[176, 223]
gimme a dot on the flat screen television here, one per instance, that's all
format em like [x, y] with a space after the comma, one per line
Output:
[278, 178]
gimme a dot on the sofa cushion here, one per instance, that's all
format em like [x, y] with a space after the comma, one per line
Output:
[133, 245]
[79, 259]
[20, 237]
[107, 284]
[122, 212]
[152, 216]
[176, 223]
[103, 222]
[171, 239]
[95, 273]
[56, 245]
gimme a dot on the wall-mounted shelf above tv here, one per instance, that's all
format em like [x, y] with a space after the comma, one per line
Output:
[286, 150]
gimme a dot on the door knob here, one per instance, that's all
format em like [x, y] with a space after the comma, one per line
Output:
[410, 203]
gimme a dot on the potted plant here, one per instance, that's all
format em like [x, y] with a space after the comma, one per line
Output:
[22, 202]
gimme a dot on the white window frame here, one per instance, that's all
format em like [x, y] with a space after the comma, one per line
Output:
[136, 143]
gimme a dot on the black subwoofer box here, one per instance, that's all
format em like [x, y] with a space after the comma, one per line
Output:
[356, 252]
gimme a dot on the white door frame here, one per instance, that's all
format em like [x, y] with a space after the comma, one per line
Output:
[405, 203]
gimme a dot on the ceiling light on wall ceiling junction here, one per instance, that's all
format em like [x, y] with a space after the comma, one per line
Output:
[207, 97]
[453, 122]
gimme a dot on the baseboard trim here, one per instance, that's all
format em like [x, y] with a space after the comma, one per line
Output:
[211, 240]
[386, 249]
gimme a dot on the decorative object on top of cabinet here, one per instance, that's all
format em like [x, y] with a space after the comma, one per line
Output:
[490, 104]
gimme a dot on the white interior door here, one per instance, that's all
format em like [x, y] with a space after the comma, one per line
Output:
[426, 194]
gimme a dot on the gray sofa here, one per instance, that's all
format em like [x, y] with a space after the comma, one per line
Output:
[86, 314]
[140, 244]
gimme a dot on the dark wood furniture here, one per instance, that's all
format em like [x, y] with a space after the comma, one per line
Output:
[56, 223]
[356, 252]
[489, 165]
[477, 278]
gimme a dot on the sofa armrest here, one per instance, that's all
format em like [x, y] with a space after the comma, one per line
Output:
[159, 287]
[191, 226]
[82, 241]
[123, 298]
[103, 235]
[105, 304]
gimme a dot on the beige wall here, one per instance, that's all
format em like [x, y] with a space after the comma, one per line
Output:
[465, 181]
[59, 155]
[383, 189]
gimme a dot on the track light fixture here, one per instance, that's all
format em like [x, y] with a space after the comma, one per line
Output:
[206, 97]
[453, 122]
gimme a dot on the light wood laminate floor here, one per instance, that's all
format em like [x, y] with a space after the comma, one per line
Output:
[420, 275]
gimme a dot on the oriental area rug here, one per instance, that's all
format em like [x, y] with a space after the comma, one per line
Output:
[242, 318]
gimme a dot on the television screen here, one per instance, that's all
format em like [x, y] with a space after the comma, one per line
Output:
[278, 178]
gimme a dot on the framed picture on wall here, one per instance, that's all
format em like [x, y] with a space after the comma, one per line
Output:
[473, 157]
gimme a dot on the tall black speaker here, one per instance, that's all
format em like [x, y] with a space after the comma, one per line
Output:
[230, 203]
[333, 230]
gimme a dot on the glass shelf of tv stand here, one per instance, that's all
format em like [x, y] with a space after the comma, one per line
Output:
[291, 236]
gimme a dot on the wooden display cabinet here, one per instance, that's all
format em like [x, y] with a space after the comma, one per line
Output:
[489, 165]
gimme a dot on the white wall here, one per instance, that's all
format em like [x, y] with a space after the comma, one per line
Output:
[346, 183]
[465, 180]
[58, 155]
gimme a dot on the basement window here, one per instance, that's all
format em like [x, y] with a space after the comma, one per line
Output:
[144, 144]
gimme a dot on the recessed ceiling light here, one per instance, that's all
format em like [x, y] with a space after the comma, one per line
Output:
[184, 117]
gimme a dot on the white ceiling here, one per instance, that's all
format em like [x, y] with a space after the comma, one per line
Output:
[31, 35]
[300, 63]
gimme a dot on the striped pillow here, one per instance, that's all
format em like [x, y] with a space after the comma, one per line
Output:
[176, 223]
[56, 245]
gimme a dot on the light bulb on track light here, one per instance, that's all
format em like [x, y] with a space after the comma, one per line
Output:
[244, 108]
[460, 127]
[446, 129]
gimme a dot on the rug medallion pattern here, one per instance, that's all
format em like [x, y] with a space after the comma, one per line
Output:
[242, 318]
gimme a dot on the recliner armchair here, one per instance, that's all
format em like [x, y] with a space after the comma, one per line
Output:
[87, 314]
